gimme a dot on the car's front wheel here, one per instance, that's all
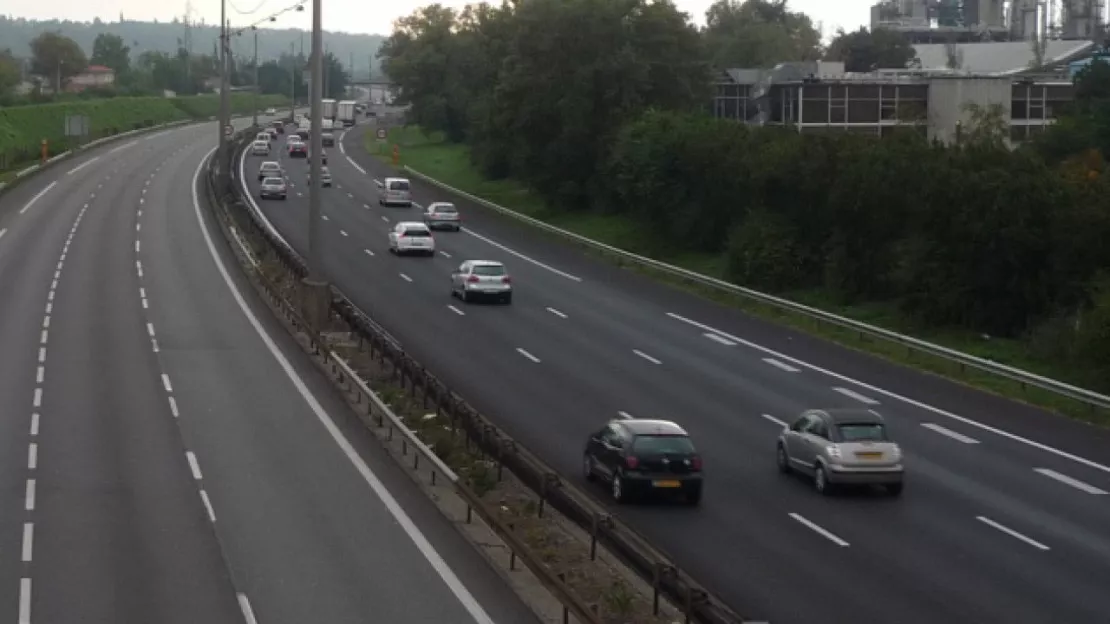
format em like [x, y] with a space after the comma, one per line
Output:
[782, 460]
[588, 468]
[616, 488]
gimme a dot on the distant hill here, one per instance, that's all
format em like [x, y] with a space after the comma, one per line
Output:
[17, 34]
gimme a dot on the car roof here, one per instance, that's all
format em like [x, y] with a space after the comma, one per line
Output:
[440, 204]
[849, 414]
[396, 179]
[647, 426]
[271, 162]
[413, 225]
[268, 178]
[485, 263]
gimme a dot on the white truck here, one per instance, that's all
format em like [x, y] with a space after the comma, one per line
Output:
[347, 113]
[327, 109]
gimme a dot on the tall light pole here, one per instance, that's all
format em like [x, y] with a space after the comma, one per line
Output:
[254, 103]
[315, 285]
[225, 98]
[292, 82]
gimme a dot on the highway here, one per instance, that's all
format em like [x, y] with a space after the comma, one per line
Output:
[169, 454]
[1004, 514]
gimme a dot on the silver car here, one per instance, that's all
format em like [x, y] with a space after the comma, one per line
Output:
[272, 187]
[270, 169]
[260, 148]
[841, 447]
[477, 279]
[442, 215]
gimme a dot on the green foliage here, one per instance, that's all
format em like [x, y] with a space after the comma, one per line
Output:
[22, 128]
[56, 56]
[110, 51]
[593, 106]
[866, 51]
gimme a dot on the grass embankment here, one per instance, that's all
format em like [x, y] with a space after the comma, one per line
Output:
[450, 163]
[22, 128]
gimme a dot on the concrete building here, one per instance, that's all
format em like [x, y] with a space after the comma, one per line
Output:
[94, 76]
[821, 97]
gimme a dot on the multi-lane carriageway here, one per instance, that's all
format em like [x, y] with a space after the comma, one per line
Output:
[1005, 512]
[166, 454]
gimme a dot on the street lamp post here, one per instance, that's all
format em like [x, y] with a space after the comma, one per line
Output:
[317, 293]
[292, 82]
[225, 98]
[254, 103]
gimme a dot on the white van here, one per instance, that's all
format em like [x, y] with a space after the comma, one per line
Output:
[394, 191]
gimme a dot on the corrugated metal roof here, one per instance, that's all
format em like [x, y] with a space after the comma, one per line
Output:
[1000, 58]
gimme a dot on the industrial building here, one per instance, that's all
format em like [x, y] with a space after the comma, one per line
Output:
[943, 21]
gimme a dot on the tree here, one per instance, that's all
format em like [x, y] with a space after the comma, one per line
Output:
[56, 57]
[9, 72]
[758, 33]
[867, 51]
[337, 78]
[110, 51]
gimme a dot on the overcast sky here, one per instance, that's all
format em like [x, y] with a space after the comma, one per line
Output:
[353, 15]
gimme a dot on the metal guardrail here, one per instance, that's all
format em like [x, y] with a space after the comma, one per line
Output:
[1024, 378]
[651, 564]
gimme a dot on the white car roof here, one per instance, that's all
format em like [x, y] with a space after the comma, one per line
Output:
[436, 204]
[261, 142]
[387, 180]
[270, 164]
[485, 263]
[413, 225]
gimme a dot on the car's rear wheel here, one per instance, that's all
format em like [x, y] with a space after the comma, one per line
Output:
[821, 481]
[616, 489]
[588, 468]
[894, 489]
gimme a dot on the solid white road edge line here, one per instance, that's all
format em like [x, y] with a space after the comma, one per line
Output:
[1012, 533]
[898, 397]
[489, 241]
[1075, 483]
[407, 525]
[819, 530]
[245, 606]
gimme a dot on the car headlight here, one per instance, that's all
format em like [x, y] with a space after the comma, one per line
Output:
[833, 451]
[896, 452]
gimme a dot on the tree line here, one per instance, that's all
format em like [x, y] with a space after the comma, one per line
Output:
[55, 58]
[601, 105]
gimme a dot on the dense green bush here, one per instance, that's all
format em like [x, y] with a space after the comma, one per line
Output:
[22, 128]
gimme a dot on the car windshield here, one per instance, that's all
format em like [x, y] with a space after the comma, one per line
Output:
[398, 185]
[659, 444]
[489, 269]
[862, 432]
[418, 233]
[272, 181]
[448, 208]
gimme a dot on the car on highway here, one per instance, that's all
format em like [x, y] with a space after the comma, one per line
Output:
[272, 133]
[270, 111]
[411, 237]
[278, 126]
[263, 136]
[270, 169]
[394, 191]
[297, 149]
[260, 148]
[482, 279]
[325, 177]
[849, 446]
[643, 457]
[323, 159]
[272, 187]
[327, 139]
[442, 215]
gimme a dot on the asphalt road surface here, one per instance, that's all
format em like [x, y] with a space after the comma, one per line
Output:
[1005, 509]
[168, 454]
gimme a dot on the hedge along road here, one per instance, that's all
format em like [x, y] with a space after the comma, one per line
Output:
[170, 458]
[990, 482]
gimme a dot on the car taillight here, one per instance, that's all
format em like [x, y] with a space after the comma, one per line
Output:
[506, 280]
[473, 279]
[695, 463]
[631, 462]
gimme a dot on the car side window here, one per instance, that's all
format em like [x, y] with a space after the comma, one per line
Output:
[610, 436]
[799, 425]
[463, 268]
[819, 428]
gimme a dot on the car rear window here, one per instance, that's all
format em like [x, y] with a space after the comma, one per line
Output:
[272, 181]
[445, 208]
[862, 432]
[418, 233]
[270, 166]
[489, 269]
[658, 444]
[398, 185]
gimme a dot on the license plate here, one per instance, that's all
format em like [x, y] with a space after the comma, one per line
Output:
[869, 455]
[667, 484]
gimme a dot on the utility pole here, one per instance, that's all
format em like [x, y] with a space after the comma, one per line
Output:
[58, 80]
[225, 97]
[316, 291]
[351, 65]
[292, 83]
[254, 104]
[325, 66]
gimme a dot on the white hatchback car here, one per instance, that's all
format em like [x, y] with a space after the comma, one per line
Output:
[476, 279]
[412, 237]
[260, 148]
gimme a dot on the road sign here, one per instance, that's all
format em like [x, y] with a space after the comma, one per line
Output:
[77, 125]
[381, 134]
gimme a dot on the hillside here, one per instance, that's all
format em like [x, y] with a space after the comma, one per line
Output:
[17, 33]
